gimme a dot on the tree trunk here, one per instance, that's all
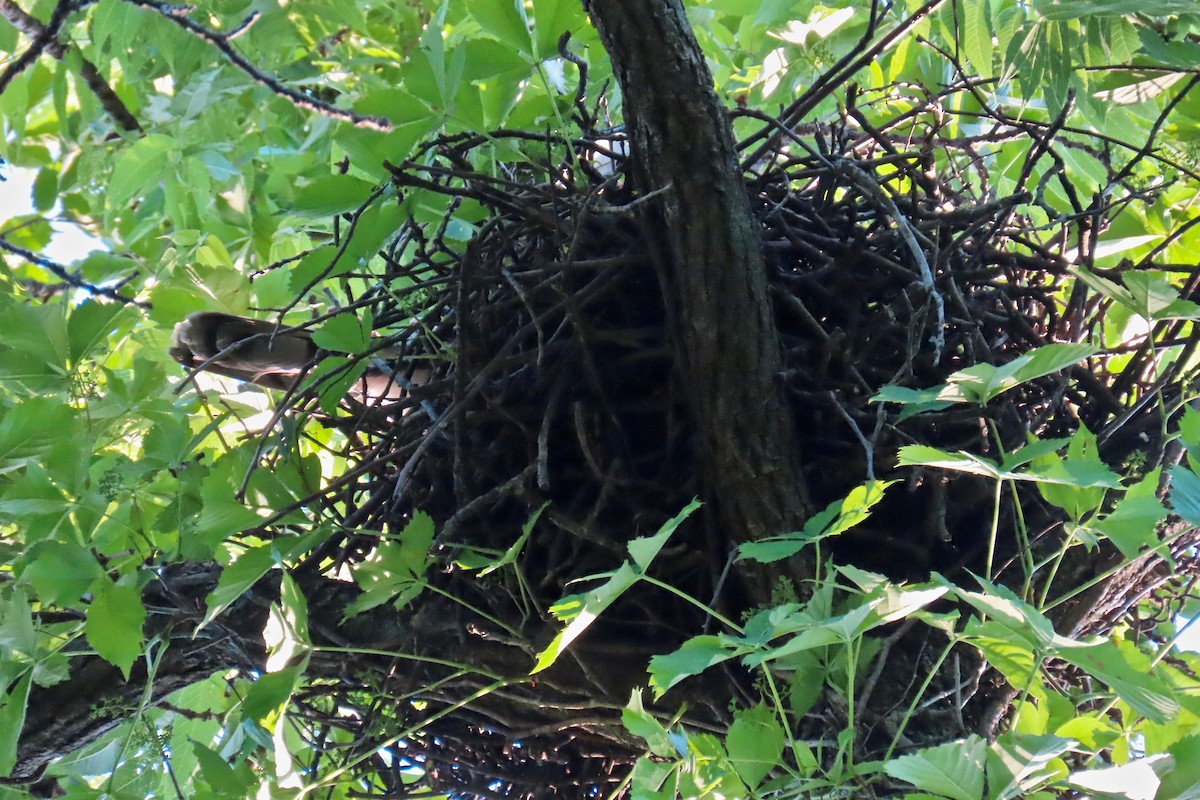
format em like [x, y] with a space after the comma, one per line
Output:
[714, 278]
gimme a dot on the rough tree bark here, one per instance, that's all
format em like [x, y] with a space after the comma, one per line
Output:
[96, 697]
[726, 340]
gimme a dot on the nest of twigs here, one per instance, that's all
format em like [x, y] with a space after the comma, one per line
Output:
[891, 263]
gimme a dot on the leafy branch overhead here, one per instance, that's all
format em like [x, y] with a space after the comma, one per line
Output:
[639, 398]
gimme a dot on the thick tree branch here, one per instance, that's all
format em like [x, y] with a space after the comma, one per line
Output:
[715, 276]
[96, 697]
[447, 652]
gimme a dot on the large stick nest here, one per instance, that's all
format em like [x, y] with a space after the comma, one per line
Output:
[893, 262]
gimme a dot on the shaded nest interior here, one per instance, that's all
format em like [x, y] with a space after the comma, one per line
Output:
[892, 262]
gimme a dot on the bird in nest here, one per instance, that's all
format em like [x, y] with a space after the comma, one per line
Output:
[275, 356]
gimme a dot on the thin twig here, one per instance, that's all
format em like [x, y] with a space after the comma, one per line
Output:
[221, 41]
[70, 279]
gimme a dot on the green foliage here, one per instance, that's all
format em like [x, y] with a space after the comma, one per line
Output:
[395, 572]
[1012, 635]
[232, 197]
[838, 517]
[982, 383]
[954, 769]
[114, 624]
[580, 611]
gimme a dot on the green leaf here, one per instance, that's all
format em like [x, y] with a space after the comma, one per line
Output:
[1183, 780]
[30, 428]
[223, 778]
[1078, 473]
[368, 149]
[1092, 733]
[580, 611]
[345, 333]
[139, 166]
[977, 38]
[504, 19]
[213, 253]
[916, 401]
[18, 638]
[9, 37]
[693, 657]
[1149, 294]
[335, 376]
[754, 743]
[269, 694]
[13, 704]
[641, 723]
[395, 572]
[216, 521]
[1024, 622]
[1083, 9]
[851, 510]
[1077, 483]
[1013, 656]
[114, 625]
[293, 608]
[891, 602]
[61, 572]
[644, 549]
[1017, 764]
[45, 190]
[1038, 448]
[806, 684]
[101, 266]
[954, 769]
[920, 455]
[434, 48]
[553, 18]
[114, 24]
[89, 325]
[839, 629]
[1155, 298]
[769, 550]
[1132, 524]
[982, 383]
[836, 518]
[220, 513]
[39, 332]
[329, 195]
[1145, 694]
[1189, 431]
[1185, 493]
[237, 578]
